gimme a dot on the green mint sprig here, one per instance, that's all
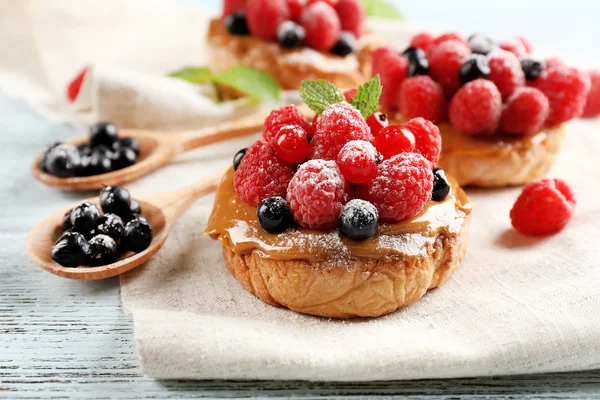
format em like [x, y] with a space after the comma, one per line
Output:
[381, 9]
[367, 96]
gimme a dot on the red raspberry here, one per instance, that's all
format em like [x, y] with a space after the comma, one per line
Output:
[393, 140]
[566, 89]
[475, 109]
[313, 126]
[322, 26]
[402, 187]
[376, 57]
[291, 144]
[423, 40]
[392, 74]
[444, 63]
[592, 105]
[526, 44]
[352, 16]
[332, 3]
[421, 96]
[230, 6]
[75, 85]
[349, 94]
[553, 62]
[377, 122]
[261, 174]
[428, 141]
[317, 194]
[525, 112]
[288, 115]
[515, 46]
[544, 207]
[339, 124]
[505, 72]
[449, 36]
[265, 16]
[296, 7]
[357, 161]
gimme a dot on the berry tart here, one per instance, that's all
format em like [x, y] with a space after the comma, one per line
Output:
[500, 110]
[331, 220]
[293, 40]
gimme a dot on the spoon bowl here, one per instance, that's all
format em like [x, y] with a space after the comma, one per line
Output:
[160, 209]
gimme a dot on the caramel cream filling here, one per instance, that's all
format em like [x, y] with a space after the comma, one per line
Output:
[235, 224]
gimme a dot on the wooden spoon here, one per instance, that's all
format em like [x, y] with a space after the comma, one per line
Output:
[160, 209]
[156, 149]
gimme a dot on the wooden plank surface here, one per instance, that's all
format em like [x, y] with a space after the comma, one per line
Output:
[70, 339]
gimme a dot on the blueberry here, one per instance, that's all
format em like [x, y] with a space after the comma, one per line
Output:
[475, 67]
[137, 236]
[66, 221]
[70, 250]
[345, 44]
[115, 200]
[85, 217]
[62, 161]
[359, 219]
[42, 164]
[84, 149]
[123, 157]
[135, 207]
[110, 225]
[237, 159]
[103, 133]
[532, 67]
[418, 63]
[481, 44]
[95, 164]
[236, 23]
[290, 35]
[103, 250]
[274, 214]
[127, 142]
[441, 187]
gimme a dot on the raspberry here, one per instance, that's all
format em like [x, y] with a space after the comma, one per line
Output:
[525, 112]
[423, 40]
[291, 144]
[514, 46]
[505, 72]
[376, 57]
[288, 115]
[475, 109]
[313, 126]
[393, 140]
[420, 96]
[553, 62]
[317, 194]
[392, 74]
[428, 141]
[349, 94]
[377, 122]
[339, 124]
[592, 105]
[544, 207]
[357, 161]
[261, 175]
[332, 3]
[296, 7]
[265, 16]
[526, 44]
[566, 89]
[352, 16]
[402, 187]
[449, 36]
[322, 26]
[230, 6]
[75, 85]
[445, 62]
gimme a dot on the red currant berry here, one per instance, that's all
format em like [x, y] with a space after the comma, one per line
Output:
[357, 161]
[291, 144]
[377, 122]
[394, 140]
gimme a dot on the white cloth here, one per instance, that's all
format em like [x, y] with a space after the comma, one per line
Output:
[515, 305]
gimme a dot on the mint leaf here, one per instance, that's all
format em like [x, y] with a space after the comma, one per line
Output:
[257, 84]
[366, 98]
[318, 95]
[193, 74]
[381, 9]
